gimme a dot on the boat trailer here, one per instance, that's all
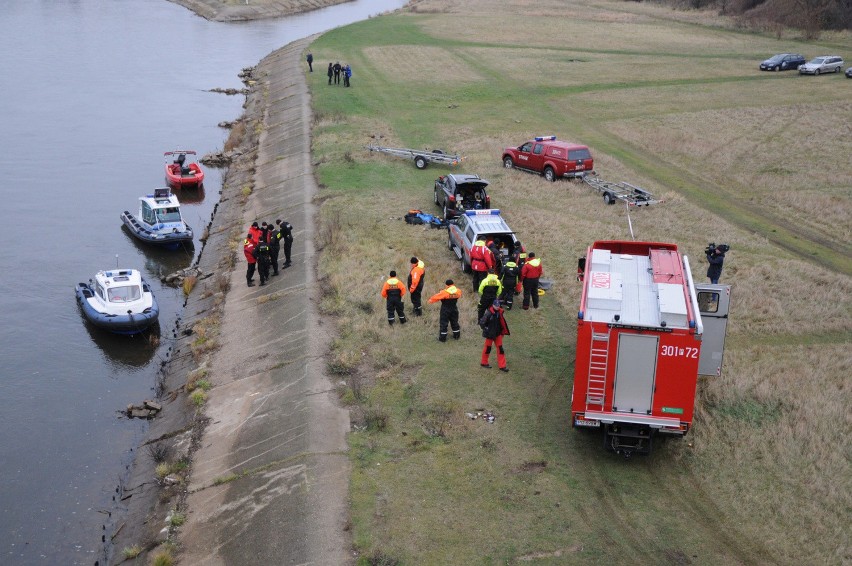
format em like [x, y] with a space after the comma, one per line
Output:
[421, 158]
[625, 192]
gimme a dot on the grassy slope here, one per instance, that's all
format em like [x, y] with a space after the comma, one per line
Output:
[677, 107]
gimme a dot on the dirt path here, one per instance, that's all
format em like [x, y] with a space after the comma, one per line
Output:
[270, 477]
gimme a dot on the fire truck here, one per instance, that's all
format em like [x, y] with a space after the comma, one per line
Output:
[645, 331]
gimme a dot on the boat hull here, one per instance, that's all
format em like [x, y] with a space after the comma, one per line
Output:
[176, 178]
[170, 240]
[132, 323]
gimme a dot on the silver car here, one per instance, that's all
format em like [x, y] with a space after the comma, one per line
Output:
[822, 64]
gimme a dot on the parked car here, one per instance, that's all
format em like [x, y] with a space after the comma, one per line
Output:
[849, 73]
[547, 156]
[783, 62]
[465, 229]
[822, 64]
[458, 193]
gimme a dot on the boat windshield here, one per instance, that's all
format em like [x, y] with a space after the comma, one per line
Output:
[171, 214]
[124, 294]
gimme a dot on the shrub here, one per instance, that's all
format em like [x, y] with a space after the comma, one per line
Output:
[131, 552]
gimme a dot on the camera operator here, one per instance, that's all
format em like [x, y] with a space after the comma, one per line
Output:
[716, 258]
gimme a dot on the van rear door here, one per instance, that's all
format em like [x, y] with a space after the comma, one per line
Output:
[713, 302]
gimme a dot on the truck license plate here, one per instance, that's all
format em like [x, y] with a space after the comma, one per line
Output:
[584, 422]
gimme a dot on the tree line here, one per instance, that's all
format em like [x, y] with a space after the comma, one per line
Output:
[811, 16]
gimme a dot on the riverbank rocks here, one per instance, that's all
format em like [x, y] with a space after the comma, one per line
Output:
[178, 277]
[147, 410]
[230, 91]
[219, 159]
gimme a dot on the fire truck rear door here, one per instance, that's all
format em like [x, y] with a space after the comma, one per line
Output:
[713, 302]
[635, 372]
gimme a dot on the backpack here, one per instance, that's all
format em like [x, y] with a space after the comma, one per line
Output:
[413, 217]
[490, 324]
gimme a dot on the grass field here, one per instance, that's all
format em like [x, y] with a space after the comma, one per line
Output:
[672, 102]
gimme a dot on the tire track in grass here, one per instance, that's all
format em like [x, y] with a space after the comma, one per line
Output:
[706, 517]
[830, 254]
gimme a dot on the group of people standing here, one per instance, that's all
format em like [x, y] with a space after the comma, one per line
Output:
[261, 248]
[494, 292]
[520, 271]
[336, 71]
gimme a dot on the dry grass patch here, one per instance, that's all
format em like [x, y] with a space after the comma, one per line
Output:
[579, 68]
[778, 161]
[758, 419]
[590, 34]
[422, 64]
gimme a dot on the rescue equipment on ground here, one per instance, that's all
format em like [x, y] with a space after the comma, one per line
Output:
[420, 217]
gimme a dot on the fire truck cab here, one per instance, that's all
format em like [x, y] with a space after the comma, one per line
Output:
[641, 335]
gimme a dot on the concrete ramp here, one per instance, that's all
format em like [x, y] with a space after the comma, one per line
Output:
[270, 480]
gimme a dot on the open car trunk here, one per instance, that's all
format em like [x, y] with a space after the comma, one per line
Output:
[471, 196]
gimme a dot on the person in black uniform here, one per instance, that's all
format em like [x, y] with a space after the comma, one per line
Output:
[337, 68]
[509, 279]
[286, 230]
[449, 298]
[264, 261]
[310, 60]
[330, 72]
[274, 247]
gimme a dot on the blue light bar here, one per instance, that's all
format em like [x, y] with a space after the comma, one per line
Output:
[545, 138]
[483, 212]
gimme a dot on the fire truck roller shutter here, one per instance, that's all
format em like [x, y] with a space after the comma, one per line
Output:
[635, 372]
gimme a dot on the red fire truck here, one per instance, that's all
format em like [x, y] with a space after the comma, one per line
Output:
[645, 331]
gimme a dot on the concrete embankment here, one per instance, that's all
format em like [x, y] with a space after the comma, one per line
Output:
[269, 470]
[270, 477]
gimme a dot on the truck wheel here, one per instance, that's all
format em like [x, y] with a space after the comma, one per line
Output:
[446, 216]
[507, 162]
[420, 162]
[465, 267]
[608, 198]
[449, 242]
[549, 174]
[436, 197]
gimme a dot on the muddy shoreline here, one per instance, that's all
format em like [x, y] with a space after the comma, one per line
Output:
[151, 502]
[143, 500]
[216, 10]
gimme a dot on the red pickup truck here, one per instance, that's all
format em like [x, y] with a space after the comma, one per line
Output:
[550, 157]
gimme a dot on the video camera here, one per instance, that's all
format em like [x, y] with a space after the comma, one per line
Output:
[711, 247]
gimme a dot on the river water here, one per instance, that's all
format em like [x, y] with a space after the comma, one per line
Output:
[93, 92]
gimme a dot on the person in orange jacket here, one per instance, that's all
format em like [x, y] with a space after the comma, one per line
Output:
[481, 260]
[449, 297]
[494, 327]
[254, 233]
[415, 284]
[530, 274]
[394, 291]
[249, 251]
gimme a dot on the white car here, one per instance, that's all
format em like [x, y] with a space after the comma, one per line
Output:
[822, 64]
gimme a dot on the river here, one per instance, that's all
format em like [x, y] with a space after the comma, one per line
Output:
[93, 93]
